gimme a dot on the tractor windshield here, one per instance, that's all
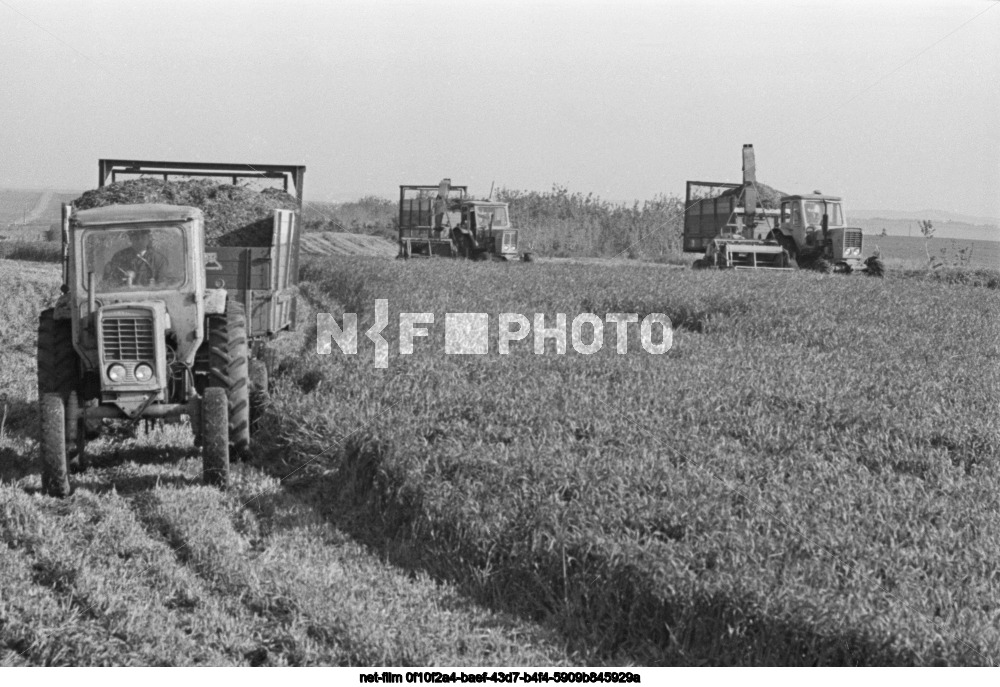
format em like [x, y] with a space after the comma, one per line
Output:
[816, 208]
[497, 213]
[134, 259]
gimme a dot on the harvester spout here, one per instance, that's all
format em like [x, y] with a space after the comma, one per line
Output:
[749, 186]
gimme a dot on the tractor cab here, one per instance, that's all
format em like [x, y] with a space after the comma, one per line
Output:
[444, 220]
[135, 302]
[802, 216]
[817, 228]
[487, 224]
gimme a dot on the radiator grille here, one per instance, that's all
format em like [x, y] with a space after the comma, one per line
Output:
[128, 338]
[852, 238]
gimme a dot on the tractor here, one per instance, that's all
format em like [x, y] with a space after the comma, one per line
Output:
[138, 335]
[444, 220]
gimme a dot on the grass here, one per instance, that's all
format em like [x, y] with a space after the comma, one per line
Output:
[807, 477]
[912, 253]
[143, 565]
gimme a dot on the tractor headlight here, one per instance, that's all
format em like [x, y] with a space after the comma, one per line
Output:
[116, 373]
[143, 372]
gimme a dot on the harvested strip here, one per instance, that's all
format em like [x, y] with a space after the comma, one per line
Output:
[343, 243]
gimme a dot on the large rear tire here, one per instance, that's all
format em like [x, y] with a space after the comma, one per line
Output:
[52, 445]
[215, 437]
[874, 267]
[821, 265]
[466, 248]
[227, 362]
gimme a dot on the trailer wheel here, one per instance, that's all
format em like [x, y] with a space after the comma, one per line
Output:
[228, 356]
[52, 445]
[215, 437]
[259, 393]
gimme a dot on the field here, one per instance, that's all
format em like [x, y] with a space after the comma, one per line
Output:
[944, 229]
[905, 252]
[808, 476]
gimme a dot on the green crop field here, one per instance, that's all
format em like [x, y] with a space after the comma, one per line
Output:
[810, 475]
[143, 565]
[913, 252]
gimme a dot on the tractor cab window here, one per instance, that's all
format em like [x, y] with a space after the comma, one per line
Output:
[485, 216]
[816, 208]
[134, 259]
[836, 216]
[814, 212]
[795, 214]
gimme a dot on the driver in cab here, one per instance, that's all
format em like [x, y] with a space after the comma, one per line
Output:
[138, 264]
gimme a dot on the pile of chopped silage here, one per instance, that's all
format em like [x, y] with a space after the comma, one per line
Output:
[768, 197]
[234, 215]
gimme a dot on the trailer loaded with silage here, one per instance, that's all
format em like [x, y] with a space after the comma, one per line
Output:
[251, 234]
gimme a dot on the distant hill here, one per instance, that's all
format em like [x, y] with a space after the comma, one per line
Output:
[943, 229]
[932, 215]
[911, 253]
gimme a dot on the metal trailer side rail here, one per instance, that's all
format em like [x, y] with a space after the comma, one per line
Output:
[110, 168]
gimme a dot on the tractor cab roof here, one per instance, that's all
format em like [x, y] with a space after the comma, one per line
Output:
[471, 202]
[810, 196]
[136, 214]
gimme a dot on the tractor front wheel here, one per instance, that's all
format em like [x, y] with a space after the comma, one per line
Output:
[215, 437]
[52, 445]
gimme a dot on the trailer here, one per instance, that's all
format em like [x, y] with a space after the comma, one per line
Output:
[262, 278]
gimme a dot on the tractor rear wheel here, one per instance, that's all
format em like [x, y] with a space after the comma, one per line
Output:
[821, 265]
[227, 367]
[874, 267]
[52, 445]
[466, 249]
[215, 437]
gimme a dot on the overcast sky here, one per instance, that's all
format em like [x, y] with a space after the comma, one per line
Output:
[894, 105]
